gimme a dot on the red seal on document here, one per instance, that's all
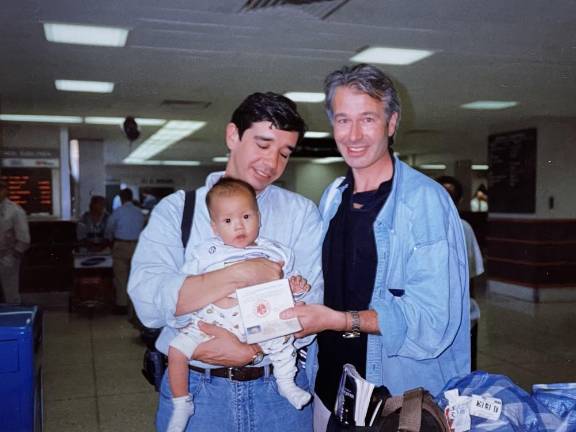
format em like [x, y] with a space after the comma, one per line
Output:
[262, 308]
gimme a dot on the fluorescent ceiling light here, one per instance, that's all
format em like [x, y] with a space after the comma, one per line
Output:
[391, 56]
[489, 105]
[85, 35]
[136, 161]
[432, 166]
[328, 160]
[312, 134]
[84, 86]
[480, 167]
[170, 133]
[220, 159]
[118, 121]
[40, 118]
[305, 97]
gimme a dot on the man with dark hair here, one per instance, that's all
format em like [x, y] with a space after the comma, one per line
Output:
[122, 229]
[14, 241]
[394, 259]
[231, 384]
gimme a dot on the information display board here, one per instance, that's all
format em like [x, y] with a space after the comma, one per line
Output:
[31, 188]
[512, 173]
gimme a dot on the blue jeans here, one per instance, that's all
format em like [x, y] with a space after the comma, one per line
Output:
[222, 405]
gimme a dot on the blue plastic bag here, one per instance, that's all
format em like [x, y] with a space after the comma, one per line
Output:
[520, 411]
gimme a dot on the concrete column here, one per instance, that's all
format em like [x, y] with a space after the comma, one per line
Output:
[65, 194]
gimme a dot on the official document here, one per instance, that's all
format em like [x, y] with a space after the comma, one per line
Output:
[260, 306]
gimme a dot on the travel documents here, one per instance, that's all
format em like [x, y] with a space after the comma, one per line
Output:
[260, 306]
[358, 402]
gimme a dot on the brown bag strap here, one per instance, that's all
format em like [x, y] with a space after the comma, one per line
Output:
[412, 403]
[411, 413]
[429, 404]
[410, 406]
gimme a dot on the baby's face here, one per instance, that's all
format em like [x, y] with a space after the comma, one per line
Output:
[235, 219]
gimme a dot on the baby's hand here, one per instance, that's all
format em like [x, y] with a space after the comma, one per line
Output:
[298, 285]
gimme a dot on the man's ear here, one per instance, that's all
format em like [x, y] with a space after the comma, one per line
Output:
[392, 123]
[232, 136]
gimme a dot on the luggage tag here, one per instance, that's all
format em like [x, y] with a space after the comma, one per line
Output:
[488, 408]
[458, 411]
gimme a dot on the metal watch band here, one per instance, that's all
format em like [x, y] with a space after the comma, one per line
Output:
[355, 332]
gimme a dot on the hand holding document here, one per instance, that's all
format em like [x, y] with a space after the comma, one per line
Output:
[260, 306]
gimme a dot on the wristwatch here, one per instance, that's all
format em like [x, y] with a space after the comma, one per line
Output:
[257, 358]
[355, 331]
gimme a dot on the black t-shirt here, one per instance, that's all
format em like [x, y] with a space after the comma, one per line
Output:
[349, 259]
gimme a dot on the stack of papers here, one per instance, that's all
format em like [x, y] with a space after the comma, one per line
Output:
[358, 402]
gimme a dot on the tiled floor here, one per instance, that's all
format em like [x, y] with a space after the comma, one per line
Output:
[92, 379]
[92, 364]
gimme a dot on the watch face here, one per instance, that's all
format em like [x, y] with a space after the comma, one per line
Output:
[258, 358]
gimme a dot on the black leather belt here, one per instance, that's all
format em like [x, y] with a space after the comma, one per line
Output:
[236, 374]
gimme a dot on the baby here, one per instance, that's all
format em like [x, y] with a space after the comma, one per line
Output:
[235, 220]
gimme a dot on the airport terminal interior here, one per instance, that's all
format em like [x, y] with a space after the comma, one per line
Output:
[100, 97]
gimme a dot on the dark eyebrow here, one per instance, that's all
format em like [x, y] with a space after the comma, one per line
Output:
[263, 138]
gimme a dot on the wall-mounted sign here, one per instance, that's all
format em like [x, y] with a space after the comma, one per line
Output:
[31, 188]
[512, 173]
[29, 158]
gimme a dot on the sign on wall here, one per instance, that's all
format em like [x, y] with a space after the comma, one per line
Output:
[512, 173]
[31, 188]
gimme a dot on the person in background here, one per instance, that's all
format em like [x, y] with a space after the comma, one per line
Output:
[232, 382]
[396, 300]
[123, 229]
[480, 201]
[91, 228]
[475, 261]
[14, 241]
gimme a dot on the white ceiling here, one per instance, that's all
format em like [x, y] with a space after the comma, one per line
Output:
[219, 52]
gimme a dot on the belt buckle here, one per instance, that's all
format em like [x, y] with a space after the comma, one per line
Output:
[230, 373]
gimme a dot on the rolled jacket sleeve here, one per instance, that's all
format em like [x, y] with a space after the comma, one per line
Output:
[155, 278]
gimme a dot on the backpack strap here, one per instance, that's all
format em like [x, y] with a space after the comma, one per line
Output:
[187, 216]
[411, 413]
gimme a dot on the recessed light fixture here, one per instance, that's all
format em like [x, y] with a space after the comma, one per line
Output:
[391, 56]
[489, 105]
[85, 34]
[220, 159]
[480, 167]
[40, 118]
[305, 97]
[84, 86]
[312, 134]
[169, 134]
[136, 161]
[328, 160]
[118, 121]
[432, 166]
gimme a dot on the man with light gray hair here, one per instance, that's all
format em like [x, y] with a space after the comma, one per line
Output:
[393, 259]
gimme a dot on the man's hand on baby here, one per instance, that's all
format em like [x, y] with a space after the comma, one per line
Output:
[298, 285]
[256, 271]
[223, 348]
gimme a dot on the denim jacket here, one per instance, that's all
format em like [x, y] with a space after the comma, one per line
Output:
[420, 290]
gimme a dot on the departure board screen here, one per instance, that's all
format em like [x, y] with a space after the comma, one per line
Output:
[31, 188]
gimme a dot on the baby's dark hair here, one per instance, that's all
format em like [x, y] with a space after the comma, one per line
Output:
[227, 187]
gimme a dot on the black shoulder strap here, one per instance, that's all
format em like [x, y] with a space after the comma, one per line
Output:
[188, 216]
